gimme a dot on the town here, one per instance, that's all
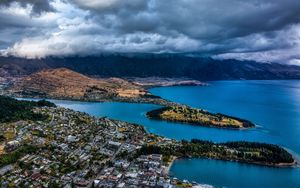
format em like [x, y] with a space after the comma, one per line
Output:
[72, 149]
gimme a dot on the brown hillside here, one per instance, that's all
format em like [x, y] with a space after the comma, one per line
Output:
[64, 83]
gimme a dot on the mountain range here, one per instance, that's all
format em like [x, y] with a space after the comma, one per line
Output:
[152, 65]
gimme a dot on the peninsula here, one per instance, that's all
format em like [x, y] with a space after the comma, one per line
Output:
[198, 117]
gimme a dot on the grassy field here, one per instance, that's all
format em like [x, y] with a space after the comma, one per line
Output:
[9, 135]
[1, 149]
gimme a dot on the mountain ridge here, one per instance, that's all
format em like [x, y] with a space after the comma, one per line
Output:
[152, 65]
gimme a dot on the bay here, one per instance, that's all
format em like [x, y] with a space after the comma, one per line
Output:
[274, 106]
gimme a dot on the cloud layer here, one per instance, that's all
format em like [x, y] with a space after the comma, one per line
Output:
[263, 30]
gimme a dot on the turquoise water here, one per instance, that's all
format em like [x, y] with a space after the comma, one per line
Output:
[235, 175]
[273, 105]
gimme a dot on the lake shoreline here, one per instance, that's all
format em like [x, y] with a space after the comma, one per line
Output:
[240, 161]
[155, 101]
[294, 164]
[170, 164]
[281, 176]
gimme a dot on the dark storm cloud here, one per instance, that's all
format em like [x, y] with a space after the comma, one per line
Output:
[38, 6]
[257, 29]
[19, 19]
[200, 19]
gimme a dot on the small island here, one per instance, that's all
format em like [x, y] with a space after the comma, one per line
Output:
[185, 114]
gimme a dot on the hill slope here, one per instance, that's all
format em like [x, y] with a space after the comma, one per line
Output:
[14, 110]
[67, 84]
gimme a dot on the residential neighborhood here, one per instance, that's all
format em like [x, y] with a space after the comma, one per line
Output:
[72, 149]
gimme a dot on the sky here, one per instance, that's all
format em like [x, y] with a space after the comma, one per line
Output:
[260, 30]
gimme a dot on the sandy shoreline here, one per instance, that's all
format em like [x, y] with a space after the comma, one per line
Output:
[168, 167]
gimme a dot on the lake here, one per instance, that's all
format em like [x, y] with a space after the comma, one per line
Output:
[273, 105]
